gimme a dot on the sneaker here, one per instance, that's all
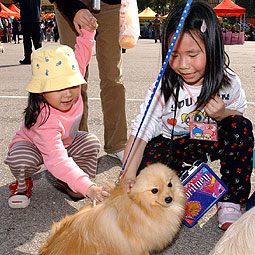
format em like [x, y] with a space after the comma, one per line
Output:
[20, 199]
[25, 61]
[65, 187]
[251, 202]
[228, 213]
[119, 155]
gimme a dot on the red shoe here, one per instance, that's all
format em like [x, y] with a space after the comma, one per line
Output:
[20, 199]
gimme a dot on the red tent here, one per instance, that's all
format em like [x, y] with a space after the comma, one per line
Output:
[14, 8]
[7, 12]
[228, 8]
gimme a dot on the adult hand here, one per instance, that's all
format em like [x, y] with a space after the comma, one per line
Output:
[97, 194]
[84, 19]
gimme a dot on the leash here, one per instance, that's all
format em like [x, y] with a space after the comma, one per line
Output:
[175, 37]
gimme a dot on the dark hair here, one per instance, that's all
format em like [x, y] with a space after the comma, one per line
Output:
[36, 103]
[216, 58]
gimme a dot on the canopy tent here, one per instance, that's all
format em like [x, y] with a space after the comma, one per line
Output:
[14, 8]
[228, 8]
[5, 12]
[147, 14]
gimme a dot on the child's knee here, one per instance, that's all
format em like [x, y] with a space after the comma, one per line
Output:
[237, 124]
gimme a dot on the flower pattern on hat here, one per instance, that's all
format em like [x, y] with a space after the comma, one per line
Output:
[54, 68]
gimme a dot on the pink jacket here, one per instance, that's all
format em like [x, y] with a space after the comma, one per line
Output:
[58, 132]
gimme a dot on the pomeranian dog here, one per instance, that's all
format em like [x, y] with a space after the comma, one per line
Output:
[135, 223]
[239, 237]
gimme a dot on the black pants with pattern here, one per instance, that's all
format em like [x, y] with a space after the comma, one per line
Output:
[234, 149]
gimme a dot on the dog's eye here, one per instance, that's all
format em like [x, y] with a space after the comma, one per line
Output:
[154, 191]
[169, 185]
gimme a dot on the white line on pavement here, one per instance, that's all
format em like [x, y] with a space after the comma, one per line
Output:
[96, 99]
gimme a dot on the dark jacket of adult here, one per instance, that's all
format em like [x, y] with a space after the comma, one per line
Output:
[30, 10]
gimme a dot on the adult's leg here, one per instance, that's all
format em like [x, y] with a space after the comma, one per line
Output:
[66, 29]
[36, 35]
[26, 31]
[112, 93]
[68, 34]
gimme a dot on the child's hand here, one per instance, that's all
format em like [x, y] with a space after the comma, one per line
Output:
[97, 193]
[129, 181]
[215, 108]
[83, 19]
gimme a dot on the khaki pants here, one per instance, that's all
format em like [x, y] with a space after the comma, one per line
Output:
[112, 90]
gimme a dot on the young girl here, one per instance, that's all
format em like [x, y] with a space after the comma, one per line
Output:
[208, 90]
[50, 133]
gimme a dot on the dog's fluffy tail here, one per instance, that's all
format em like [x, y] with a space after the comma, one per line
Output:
[239, 238]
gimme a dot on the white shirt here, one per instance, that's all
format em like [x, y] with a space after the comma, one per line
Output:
[160, 116]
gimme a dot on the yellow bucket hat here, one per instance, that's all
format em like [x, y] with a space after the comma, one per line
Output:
[54, 68]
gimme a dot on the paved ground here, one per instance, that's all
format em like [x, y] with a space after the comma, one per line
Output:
[23, 231]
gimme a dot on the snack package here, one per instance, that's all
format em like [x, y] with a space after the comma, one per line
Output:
[129, 24]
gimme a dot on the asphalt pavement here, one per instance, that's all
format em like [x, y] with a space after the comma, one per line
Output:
[22, 231]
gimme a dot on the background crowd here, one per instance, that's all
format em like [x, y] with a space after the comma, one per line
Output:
[10, 30]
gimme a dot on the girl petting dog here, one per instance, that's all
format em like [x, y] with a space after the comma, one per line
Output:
[197, 87]
[50, 133]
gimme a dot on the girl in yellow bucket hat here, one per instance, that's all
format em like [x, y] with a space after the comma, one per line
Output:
[50, 133]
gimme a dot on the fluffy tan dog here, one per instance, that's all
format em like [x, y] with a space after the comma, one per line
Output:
[239, 239]
[146, 219]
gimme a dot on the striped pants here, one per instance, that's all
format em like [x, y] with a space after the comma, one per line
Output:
[24, 159]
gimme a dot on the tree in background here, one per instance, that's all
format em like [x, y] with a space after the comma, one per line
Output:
[159, 6]
[249, 5]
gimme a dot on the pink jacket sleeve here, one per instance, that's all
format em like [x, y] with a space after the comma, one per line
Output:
[83, 49]
[47, 139]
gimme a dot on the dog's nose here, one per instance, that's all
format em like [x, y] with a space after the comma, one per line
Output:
[168, 200]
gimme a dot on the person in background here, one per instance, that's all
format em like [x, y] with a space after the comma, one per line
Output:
[15, 30]
[55, 30]
[71, 17]
[1, 24]
[251, 33]
[6, 29]
[157, 27]
[30, 17]
[237, 27]
[1, 31]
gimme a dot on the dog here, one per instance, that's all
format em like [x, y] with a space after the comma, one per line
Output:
[135, 223]
[239, 237]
